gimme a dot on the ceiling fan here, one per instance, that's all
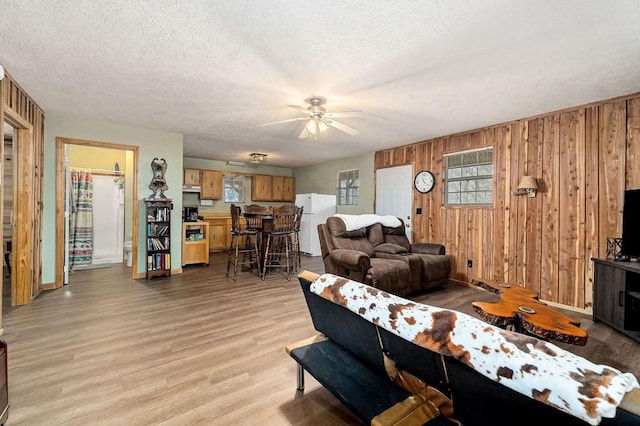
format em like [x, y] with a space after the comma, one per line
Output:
[318, 119]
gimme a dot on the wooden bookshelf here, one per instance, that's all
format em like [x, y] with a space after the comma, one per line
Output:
[158, 236]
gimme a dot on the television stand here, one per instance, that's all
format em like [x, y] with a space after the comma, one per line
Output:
[616, 295]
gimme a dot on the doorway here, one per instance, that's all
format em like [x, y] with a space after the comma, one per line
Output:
[25, 217]
[107, 218]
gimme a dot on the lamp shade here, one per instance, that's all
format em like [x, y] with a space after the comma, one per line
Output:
[528, 182]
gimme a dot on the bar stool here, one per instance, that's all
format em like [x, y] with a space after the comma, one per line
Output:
[278, 251]
[243, 241]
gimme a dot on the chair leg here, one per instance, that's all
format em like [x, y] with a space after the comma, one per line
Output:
[257, 253]
[298, 250]
[235, 262]
[266, 257]
[250, 254]
[229, 252]
[287, 245]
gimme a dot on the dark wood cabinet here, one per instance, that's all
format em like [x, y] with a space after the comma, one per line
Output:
[616, 295]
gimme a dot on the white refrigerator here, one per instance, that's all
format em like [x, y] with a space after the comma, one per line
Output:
[316, 209]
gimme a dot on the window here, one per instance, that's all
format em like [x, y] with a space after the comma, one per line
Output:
[348, 183]
[233, 189]
[468, 177]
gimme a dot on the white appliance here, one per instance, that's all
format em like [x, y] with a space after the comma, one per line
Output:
[316, 208]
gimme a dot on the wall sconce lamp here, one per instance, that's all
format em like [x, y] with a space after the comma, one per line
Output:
[527, 186]
[257, 158]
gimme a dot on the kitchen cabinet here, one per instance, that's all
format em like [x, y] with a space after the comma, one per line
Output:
[273, 188]
[277, 188]
[289, 189]
[218, 232]
[191, 177]
[261, 188]
[211, 185]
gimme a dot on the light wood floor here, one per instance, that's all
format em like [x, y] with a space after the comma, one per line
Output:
[193, 349]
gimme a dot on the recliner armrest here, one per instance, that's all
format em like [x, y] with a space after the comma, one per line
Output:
[428, 248]
[351, 259]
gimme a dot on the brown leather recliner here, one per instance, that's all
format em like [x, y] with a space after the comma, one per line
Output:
[350, 254]
[382, 257]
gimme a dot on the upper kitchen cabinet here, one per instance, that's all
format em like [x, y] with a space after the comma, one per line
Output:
[288, 189]
[277, 193]
[211, 185]
[191, 177]
[261, 188]
[273, 188]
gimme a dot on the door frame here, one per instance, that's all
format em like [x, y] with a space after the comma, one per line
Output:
[60, 204]
[24, 285]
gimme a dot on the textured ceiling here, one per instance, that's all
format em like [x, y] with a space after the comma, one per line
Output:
[215, 70]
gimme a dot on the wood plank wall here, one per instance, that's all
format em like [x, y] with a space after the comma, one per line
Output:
[28, 213]
[583, 159]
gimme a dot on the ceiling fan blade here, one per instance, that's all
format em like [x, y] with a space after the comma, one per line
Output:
[343, 127]
[299, 108]
[343, 114]
[284, 121]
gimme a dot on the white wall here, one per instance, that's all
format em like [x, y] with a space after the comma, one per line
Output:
[151, 143]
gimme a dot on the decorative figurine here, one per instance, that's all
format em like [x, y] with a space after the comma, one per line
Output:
[158, 183]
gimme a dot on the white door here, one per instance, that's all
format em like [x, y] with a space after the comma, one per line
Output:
[394, 193]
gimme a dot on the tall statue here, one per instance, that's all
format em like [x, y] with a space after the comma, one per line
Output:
[158, 183]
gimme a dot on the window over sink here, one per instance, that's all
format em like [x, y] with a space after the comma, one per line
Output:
[233, 189]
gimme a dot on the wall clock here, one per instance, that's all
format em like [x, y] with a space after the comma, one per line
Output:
[424, 181]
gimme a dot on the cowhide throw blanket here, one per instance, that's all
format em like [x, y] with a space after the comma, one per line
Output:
[525, 364]
[357, 221]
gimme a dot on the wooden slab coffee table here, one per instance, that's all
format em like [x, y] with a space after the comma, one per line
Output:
[520, 309]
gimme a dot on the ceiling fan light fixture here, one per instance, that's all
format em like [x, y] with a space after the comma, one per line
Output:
[312, 127]
[317, 120]
[257, 158]
[322, 126]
